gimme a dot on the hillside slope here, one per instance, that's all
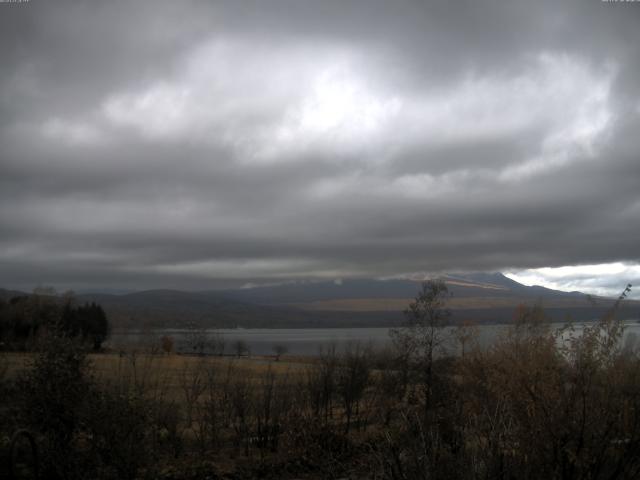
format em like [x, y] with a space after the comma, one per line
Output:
[479, 297]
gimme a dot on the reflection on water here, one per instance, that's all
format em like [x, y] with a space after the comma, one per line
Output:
[303, 341]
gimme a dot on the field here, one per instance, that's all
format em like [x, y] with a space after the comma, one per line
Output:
[186, 405]
[166, 371]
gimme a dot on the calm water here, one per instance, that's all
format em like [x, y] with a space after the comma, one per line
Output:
[307, 341]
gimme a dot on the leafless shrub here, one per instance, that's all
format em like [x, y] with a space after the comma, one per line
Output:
[242, 410]
[352, 380]
[118, 431]
[192, 380]
[216, 409]
[321, 383]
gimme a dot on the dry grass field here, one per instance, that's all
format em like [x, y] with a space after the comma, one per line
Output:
[169, 369]
[462, 303]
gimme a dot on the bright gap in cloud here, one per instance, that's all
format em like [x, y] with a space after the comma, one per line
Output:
[339, 100]
[606, 279]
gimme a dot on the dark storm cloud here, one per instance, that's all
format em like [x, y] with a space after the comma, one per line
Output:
[196, 144]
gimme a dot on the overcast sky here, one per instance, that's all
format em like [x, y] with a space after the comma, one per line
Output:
[198, 144]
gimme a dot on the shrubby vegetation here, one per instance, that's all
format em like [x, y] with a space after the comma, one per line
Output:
[538, 404]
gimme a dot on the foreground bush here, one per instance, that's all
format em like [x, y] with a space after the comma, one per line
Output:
[84, 428]
[538, 404]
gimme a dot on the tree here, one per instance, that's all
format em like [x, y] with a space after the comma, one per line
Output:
[464, 333]
[240, 347]
[25, 318]
[554, 404]
[166, 343]
[279, 350]
[52, 392]
[353, 378]
[422, 334]
[197, 339]
[94, 324]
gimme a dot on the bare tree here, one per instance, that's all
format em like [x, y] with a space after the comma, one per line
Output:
[280, 350]
[166, 343]
[423, 335]
[240, 347]
[321, 384]
[218, 343]
[197, 339]
[464, 333]
[192, 379]
[353, 378]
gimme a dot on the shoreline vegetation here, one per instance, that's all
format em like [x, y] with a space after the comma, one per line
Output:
[540, 403]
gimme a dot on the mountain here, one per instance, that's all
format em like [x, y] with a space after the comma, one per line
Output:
[175, 308]
[474, 285]
[480, 297]
[7, 294]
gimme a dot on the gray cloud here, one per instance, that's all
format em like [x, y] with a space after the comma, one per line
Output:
[206, 143]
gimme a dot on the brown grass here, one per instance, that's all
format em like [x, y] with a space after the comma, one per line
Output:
[461, 303]
[165, 370]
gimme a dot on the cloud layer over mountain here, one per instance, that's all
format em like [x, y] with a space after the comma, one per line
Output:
[192, 144]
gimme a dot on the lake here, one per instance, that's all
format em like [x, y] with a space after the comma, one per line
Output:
[301, 341]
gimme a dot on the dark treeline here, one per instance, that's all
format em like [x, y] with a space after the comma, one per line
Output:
[539, 404]
[23, 318]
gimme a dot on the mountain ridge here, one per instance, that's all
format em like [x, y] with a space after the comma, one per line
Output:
[484, 297]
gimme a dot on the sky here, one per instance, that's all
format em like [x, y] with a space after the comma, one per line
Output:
[200, 144]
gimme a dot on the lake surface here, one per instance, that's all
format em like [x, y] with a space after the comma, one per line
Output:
[301, 341]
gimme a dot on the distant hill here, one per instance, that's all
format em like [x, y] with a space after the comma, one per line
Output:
[480, 297]
[7, 294]
[475, 285]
